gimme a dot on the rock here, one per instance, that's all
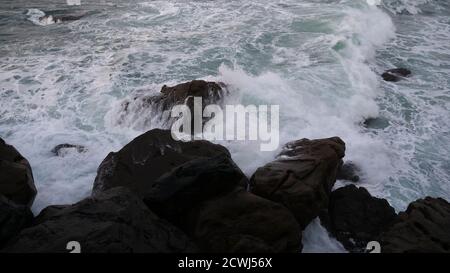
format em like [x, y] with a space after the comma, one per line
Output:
[240, 222]
[13, 218]
[146, 158]
[176, 193]
[355, 218]
[205, 197]
[115, 221]
[63, 149]
[423, 228]
[395, 75]
[159, 106]
[349, 172]
[16, 177]
[302, 176]
[376, 123]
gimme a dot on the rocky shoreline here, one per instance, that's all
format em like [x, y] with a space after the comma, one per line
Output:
[161, 195]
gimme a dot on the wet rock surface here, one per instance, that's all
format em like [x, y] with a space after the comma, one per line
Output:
[302, 176]
[16, 177]
[354, 217]
[423, 228]
[114, 221]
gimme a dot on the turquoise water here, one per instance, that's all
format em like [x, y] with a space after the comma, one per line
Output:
[319, 60]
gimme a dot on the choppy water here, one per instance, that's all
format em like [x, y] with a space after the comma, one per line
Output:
[319, 60]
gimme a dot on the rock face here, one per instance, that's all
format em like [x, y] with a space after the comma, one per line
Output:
[176, 193]
[63, 149]
[16, 178]
[302, 176]
[349, 172]
[395, 75]
[13, 218]
[241, 222]
[206, 198]
[114, 221]
[355, 218]
[424, 227]
[142, 161]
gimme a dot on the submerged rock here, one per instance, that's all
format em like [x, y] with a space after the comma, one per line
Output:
[355, 218]
[423, 228]
[349, 172]
[63, 149]
[395, 75]
[115, 221]
[376, 123]
[13, 218]
[142, 161]
[16, 177]
[302, 176]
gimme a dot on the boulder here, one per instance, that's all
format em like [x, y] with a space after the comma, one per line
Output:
[423, 228]
[349, 172]
[178, 192]
[158, 107]
[240, 222]
[63, 149]
[146, 158]
[302, 176]
[206, 198]
[355, 218]
[115, 221]
[16, 177]
[396, 74]
[13, 218]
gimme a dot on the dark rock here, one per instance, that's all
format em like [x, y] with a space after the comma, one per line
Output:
[13, 218]
[349, 172]
[240, 222]
[395, 75]
[63, 149]
[423, 228]
[16, 177]
[146, 158]
[376, 123]
[302, 176]
[205, 197]
[176, 193]
[355, 218]
[115, 221]
[160, 105]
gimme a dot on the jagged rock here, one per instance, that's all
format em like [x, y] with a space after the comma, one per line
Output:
[348, 171]
[355, 218]
[158, 106]
[206, 198]
[115, 221]
[63, 149]
[423, 228]
[13, 218]
[16, 177]
[302, 176]
[176, 193]
[395, 75]
[146, 158]
[240, 222]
